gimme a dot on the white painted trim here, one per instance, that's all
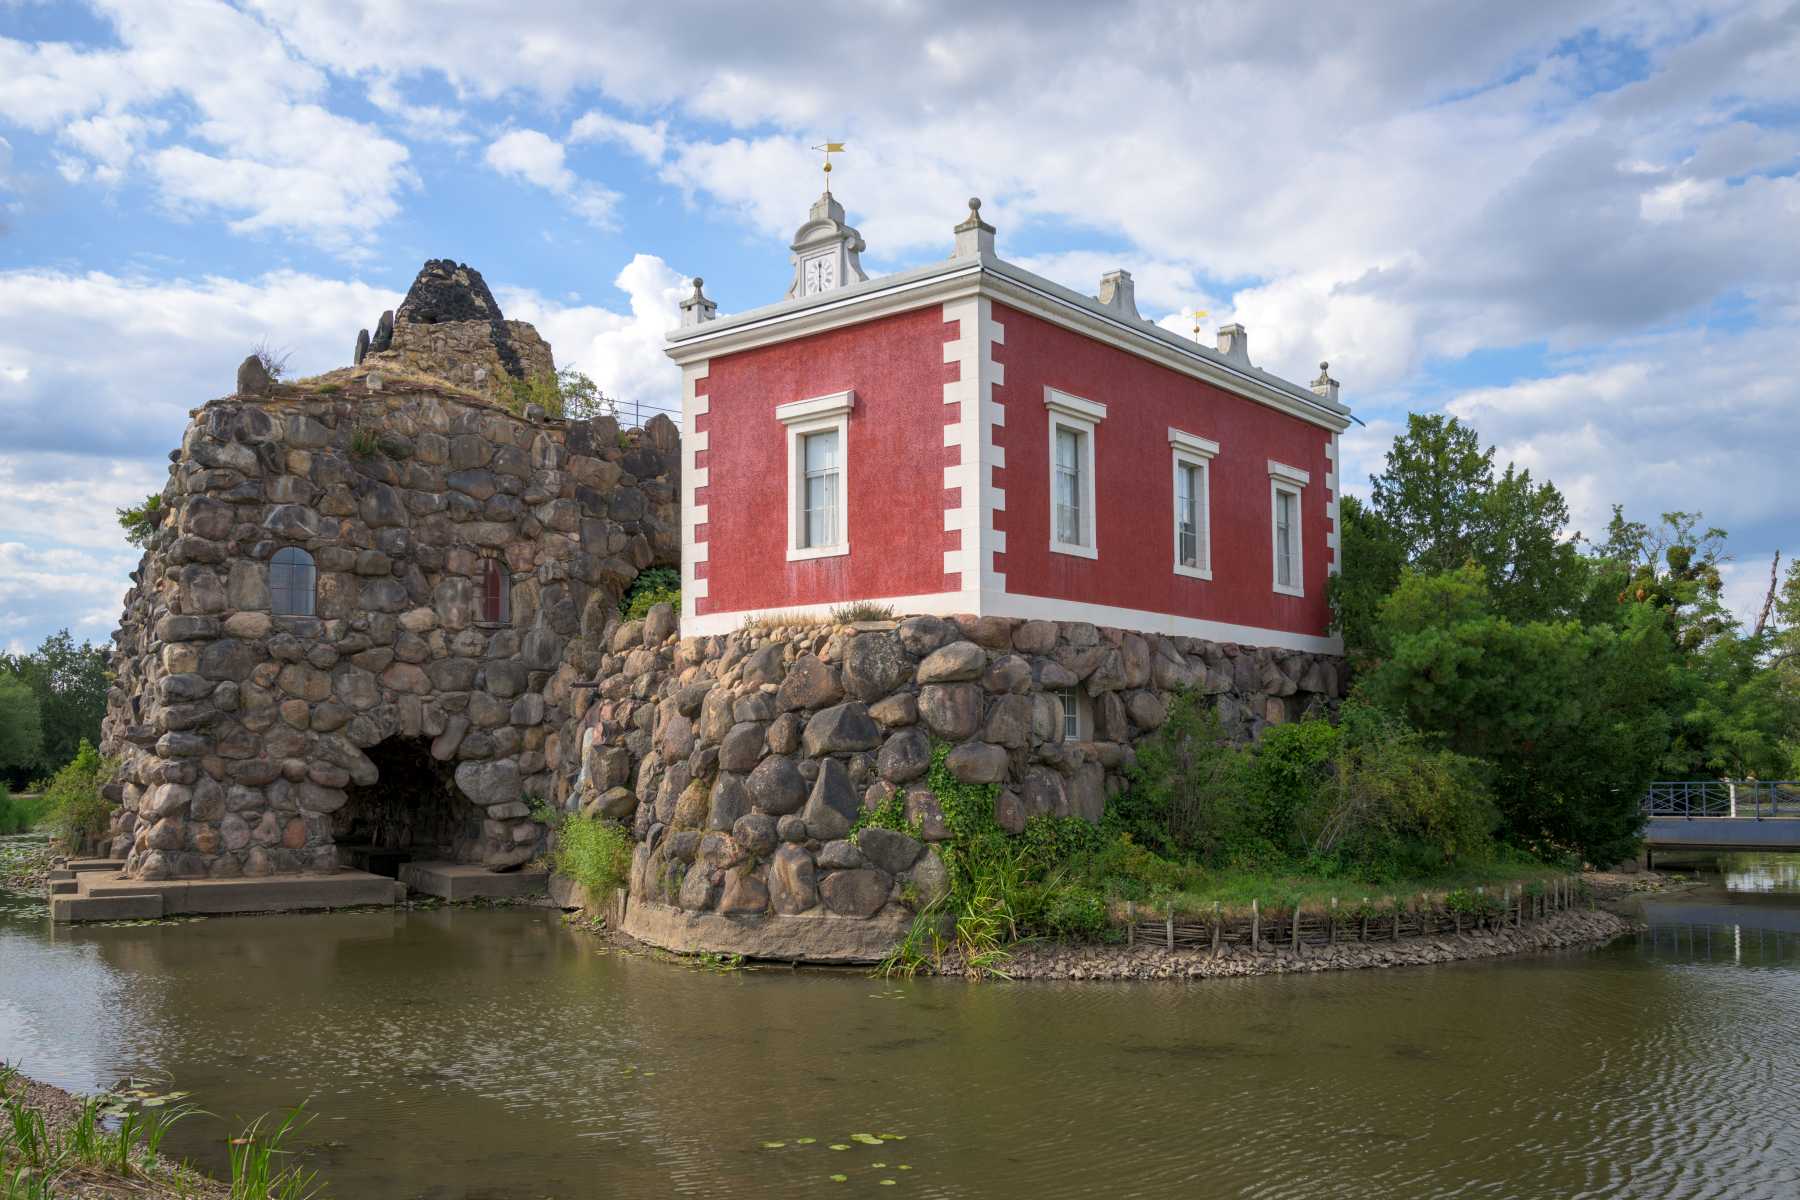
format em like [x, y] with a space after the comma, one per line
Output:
[1333, 542]
[1012, 604]
[1082, 417]
[1279, 484]
[1192, 443]
[1181, 456]
[1060, 401]
[1291, 474]
[693, 514]
[965, 433]
[834, 405]
[823, 418]
[993, 456]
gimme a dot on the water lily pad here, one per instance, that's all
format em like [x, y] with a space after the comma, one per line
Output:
[773, 1145]
[840, 1146]
[893, 1137]
[840, 1179]
[903, 1167]
[889, 1182]
[867, 1139]
[878, 1166]
[804, 1141]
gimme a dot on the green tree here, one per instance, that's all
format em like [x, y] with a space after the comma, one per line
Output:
[1439, 504]
[1572, 720]
[70, 682]
[21, 731]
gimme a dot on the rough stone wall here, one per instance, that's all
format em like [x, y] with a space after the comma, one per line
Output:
[240, 732]
[741, 761]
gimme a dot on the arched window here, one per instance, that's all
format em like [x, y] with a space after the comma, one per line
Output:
[293, 582]
[496, 594]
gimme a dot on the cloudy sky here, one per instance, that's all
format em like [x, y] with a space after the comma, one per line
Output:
[1575, 225]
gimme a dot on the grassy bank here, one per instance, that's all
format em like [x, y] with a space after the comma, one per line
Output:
[1234, 890]
[109, 1147]
[23, 812]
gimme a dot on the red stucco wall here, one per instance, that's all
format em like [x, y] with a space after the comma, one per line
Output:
[1134, 486]
[895, 458]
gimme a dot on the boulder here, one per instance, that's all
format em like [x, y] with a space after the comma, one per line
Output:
[793, 888]
[922, 635]
[905, 756]
[742, 747]
[729, 801]
[488, 783]
[896, 711]
[953, 663]
[755, 833]
[776, 786]
[841, 855]
[888, 849]
[951, 711]
[833, 806]
[874, 665]
[841, 729]
[745, 895]
[860, 893]
[977, 762]
[810, 683]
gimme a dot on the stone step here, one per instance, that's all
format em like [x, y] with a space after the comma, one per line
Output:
[115, 907]
[470, 881]
[65, 887]
[94, 864]
[274, 893]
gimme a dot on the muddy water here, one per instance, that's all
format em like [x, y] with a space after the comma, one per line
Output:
[471, 1053]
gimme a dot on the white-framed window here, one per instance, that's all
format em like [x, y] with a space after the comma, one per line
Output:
[1285, 487]
[1071, 456]
[1073, 728]
[1192, 456]
[818, 449]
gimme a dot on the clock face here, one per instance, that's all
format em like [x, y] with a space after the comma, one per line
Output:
[820, 275]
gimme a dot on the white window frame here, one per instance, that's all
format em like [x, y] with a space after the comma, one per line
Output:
[1073, 707]
[1292, 481]
[819, 414]
[1191, 450]
[1082, 417]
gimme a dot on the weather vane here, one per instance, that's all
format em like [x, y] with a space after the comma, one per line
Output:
[1195, 314]
[830, 148]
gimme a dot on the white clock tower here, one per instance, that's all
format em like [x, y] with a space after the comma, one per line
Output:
[825, 251]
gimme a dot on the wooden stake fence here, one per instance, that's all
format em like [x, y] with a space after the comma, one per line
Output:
[1299, 928]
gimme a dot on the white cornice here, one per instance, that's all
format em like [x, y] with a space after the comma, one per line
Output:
[1290, 474]
[1074, 406]
[819, 407]
[1193, 443]
[1013, 285]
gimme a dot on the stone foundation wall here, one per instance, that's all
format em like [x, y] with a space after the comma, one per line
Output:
[241, 732]
[741, 761]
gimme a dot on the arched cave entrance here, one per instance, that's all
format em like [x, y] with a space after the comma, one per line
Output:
[412, 812]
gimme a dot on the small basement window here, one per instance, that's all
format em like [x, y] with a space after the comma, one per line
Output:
[293, 583]
[496, 594]
[1074, 724]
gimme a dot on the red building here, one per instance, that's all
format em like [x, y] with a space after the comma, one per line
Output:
[968, 437]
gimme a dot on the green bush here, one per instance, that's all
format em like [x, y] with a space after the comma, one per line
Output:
[594, 853]
[568, 393]
[653, 586]
[1186, 788]
[78, 813]
[21, 814]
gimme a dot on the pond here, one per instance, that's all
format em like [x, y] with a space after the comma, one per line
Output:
[497, 1053]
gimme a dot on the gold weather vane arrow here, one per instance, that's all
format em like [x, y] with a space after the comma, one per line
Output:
[1195, 314]
[829, 149]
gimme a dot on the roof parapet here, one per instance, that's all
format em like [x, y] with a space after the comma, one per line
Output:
[1118, 294]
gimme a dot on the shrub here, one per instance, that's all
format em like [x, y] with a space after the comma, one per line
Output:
[862, 610]
[78, 813]
[594, 853]
[140, 521]
[656, 585]
[21, 814]
[1186, 787]
[363, 442]
[568, 394]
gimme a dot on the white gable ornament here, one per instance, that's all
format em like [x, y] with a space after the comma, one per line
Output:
[825, 252]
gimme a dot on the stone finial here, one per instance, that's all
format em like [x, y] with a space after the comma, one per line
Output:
[1325, 385]
[1118, 294]
[1234, 343]
[697, 309]
[362, 346]
[825, 251]
[974, 237]
[253, 378]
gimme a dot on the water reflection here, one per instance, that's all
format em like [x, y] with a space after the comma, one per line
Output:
[467, 1053]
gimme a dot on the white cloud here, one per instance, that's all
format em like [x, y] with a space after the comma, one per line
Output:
[539, 159]
[622, 352]
[252, 138]
[648, 142]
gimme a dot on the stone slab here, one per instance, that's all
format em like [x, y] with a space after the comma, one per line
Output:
[805, 938]
[64, 887]
[79, 865]
[471, 881]
[273, 893]
[106, 908]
